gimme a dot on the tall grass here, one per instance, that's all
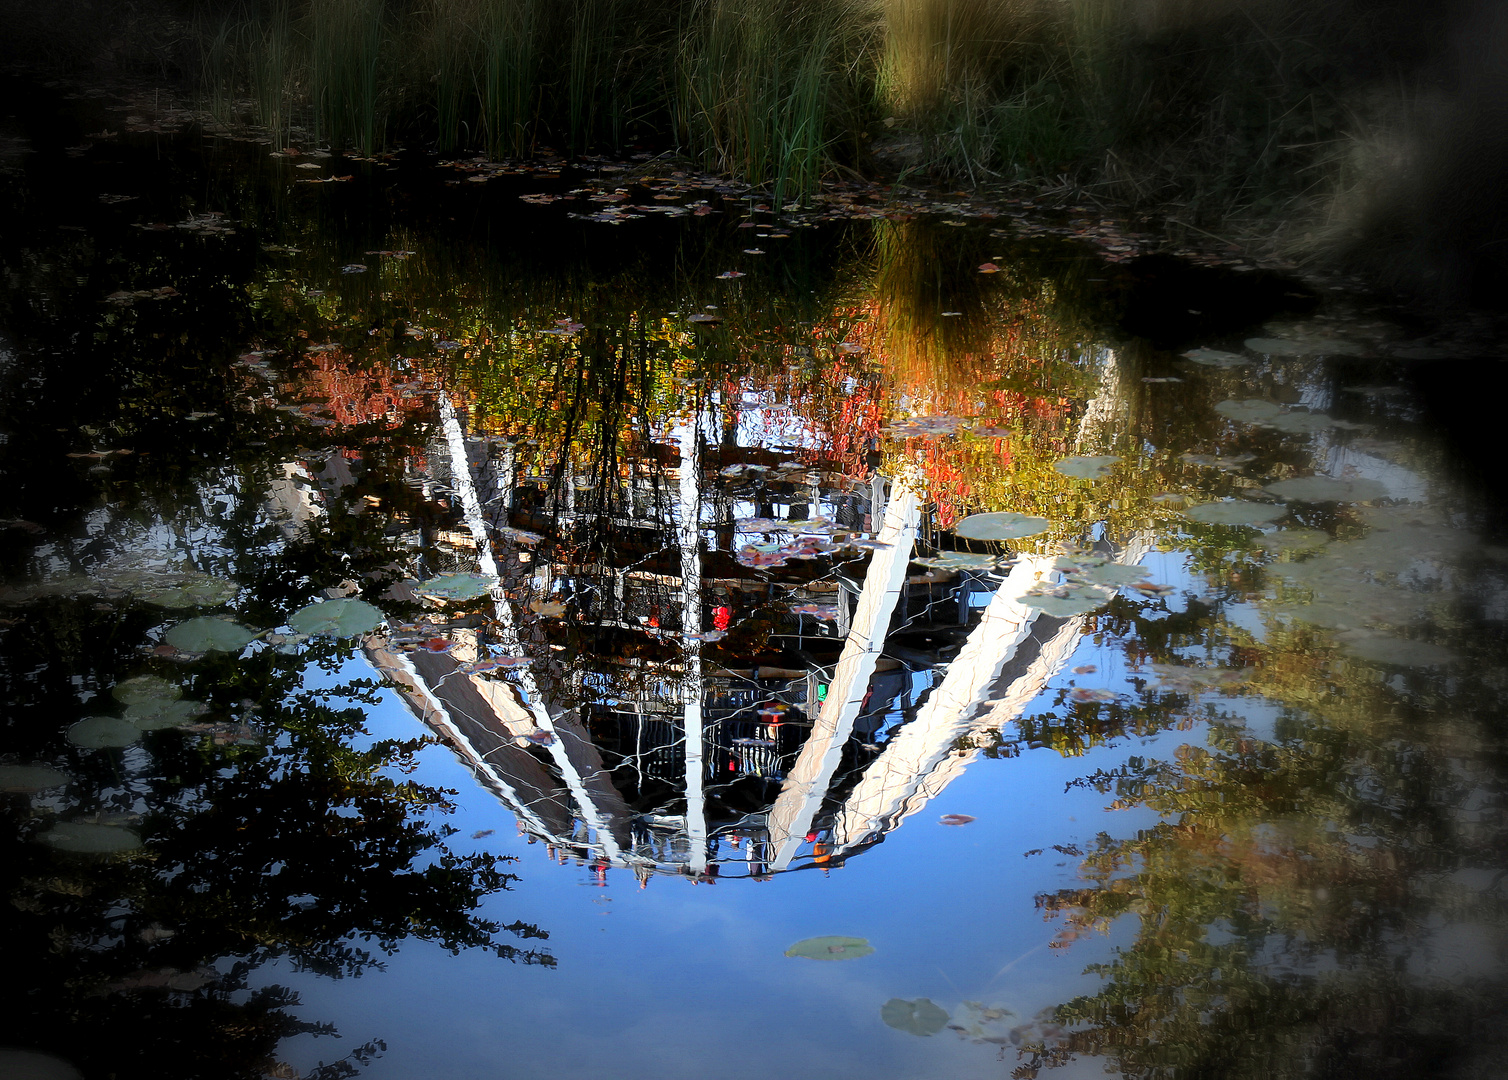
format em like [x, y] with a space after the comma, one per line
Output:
[511, 32]
[764, 86]
[450, 56]
[1207, 110]
[222, 54]
[346, 39]
[272, 59]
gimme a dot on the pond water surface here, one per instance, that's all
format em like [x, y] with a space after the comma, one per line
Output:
[478, 622]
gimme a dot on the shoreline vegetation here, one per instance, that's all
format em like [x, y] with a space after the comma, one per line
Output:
[1368, 135]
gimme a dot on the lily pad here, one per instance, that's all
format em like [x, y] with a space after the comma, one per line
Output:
[1237, 512]
[83, 836]
[98, 732]
[1250, 410]
[919, 1017]
[34, 1065]
[958, 560]
[1217, 358]
[200, 591]
[1305, 346]
[1103, 571]
[144, 688]
[1292, 539]
[831, 948]
[1005, 525]
[1398, 652]
[1331, 616]
[337, 618]
[28, 779]
[456, 586]
[156, 715]
[1326, 489]
[1086, 468]
[210, 634]
[1067, 598]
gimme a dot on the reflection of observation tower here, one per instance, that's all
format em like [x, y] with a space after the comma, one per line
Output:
[622, 744]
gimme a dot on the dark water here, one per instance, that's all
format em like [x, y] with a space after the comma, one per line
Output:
[454, 635]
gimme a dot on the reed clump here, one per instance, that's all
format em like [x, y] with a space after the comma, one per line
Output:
[1256, 112]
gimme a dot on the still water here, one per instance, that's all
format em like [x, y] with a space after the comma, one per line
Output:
[507, 623]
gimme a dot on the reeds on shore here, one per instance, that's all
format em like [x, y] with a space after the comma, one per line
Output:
[1211, 111]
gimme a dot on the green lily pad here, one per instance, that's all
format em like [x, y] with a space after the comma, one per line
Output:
[1238, 512]
[337, 618]
[210, 634]
[144, 688]
[1086, 468]
[1292, 539]
[28, 779]
[1305, 423]
[456, 586]
[1103, 571]
[1065, 601]
[156, 715]
[919, 1017]
[831, 948]
[83, 836]
[34, 1065]
[99, 732]
[1250, 410]
[958, 560]
[1005, 525]
[1326, 489]
[199, 591]
[1217, 358]
[1329, 615]
[1398, 652]
[1305, 347]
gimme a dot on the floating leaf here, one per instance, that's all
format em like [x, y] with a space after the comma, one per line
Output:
[83, 836]
[1086, 468]
[1328, 615]
[1084, 696]
[1062, 606]
[210, 634]
[34, 1065]
[156, 715]
[1102, 571]
[456, 586]
[1305, 347]
[1326, 489]
[1292, 539]
[1004, 525]
[1237, 512]
[957, 560]
[99, 732]
[1216, 358]
[144, 688]
[919, 1017]
[1250, 410]
[205, 591]
[831, 948]
[1399, 652]
[1304, 423]
[337, 618]
[26, 779]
